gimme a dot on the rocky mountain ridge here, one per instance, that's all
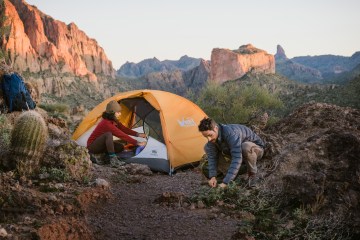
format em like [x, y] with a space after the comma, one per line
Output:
[39, 43]
[293, 70]
[178, 81]
[330, 64]
[146, 66]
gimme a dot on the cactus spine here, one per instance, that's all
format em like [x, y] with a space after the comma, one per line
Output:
[28, 140]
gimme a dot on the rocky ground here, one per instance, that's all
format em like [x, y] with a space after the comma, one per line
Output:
[309, 189]
[156, 207]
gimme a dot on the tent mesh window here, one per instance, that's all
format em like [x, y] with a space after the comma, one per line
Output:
[146, 116]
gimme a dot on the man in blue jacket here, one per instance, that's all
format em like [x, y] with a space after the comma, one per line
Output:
[232, 141]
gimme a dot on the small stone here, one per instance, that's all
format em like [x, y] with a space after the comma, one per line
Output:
[185, 204]
[219, 203]
[200, 204]
[68, 208]
[60, 209]
[102, 183]
[3, 232]
[59, 186]
[52, 198]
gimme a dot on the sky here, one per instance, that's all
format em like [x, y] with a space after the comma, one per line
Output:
[134, 30]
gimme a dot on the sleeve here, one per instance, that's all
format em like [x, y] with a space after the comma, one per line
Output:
[122, 135]
[234, 142]
[212, 154]
[126, 130]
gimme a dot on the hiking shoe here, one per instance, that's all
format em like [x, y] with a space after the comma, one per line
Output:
[252, 180]
[99, 159]
[115, 162]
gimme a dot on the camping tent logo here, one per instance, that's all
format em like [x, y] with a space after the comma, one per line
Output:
[186, 122]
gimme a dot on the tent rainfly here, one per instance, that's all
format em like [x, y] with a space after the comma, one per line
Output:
[170, 122]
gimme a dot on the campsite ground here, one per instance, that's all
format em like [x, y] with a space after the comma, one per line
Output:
[155, 207]
[309, 189]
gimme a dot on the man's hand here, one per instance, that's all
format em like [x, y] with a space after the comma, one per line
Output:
[141, 143]
[142, 135]
[222, 185]
[212, 182]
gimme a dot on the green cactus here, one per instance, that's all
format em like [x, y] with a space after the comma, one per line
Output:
[28, 140]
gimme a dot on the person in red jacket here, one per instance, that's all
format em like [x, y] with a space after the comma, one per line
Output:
[101, 139]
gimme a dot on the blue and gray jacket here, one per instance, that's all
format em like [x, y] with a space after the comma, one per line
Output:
[229, 142]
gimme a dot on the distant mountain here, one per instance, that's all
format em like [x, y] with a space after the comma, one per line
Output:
[136, 70]
[316, 69]
[330, 65]
[345, 77]
[177, 81]
[293, 70]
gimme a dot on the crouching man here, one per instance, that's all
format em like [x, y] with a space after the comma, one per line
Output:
[233, 142]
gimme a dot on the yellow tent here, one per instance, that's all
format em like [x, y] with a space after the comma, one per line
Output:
[169, 120]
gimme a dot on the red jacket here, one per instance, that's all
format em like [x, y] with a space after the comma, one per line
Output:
[120, 131]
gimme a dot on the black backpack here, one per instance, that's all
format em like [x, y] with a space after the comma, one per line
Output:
[16, 95]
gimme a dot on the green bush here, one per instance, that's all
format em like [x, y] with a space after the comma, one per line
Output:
[232, 103]
[55, 108]
[271, 218]
[56, 174]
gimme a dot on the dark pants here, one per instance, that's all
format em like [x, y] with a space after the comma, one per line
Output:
[105, 144]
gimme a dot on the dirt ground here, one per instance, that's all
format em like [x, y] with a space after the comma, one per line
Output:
[136, 211]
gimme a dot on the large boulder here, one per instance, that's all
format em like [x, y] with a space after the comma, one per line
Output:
[313, 162]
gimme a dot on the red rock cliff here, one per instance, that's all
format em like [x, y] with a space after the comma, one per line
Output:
[37, 42]
[232, 64]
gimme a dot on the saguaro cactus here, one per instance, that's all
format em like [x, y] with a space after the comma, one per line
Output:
[28, 140]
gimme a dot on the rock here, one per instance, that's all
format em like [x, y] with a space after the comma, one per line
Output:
[71, 157]
[42, 43]
[3, 232]
[102, 183]
[317, 161]
[134, 168]
[233, 64]
[280, 53]
[200, 204]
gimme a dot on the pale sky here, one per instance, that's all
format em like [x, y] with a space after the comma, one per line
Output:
[134, 30]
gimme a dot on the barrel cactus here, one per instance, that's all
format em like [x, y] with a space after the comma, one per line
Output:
[28, 141]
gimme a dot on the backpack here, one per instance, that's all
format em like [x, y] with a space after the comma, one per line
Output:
[16, 95]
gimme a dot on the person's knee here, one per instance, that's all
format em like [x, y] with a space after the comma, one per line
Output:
[250, 149]
[108, 135]
[246, 149]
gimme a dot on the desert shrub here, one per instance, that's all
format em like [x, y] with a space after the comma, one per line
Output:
[55, 174]
[272, 219]
[232, 103]
[55, 108]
